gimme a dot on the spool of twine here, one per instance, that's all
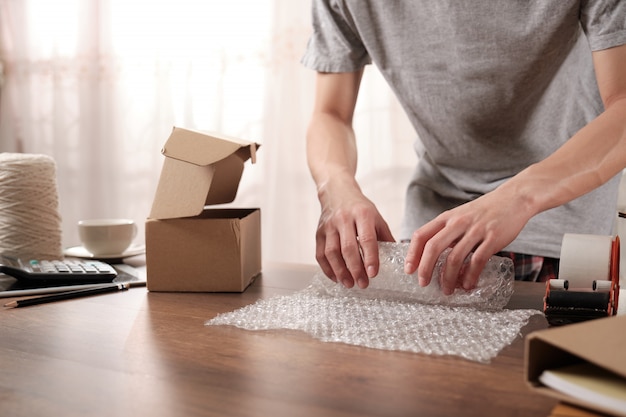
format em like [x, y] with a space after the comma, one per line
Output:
[30, 223]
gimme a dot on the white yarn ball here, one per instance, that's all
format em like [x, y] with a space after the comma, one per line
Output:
[30, 223]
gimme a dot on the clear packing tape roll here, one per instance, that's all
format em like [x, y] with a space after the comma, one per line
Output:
[395, 313]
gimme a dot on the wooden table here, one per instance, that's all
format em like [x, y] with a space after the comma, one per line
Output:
[139, 353]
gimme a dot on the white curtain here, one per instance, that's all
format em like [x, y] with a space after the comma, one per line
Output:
[99, 84]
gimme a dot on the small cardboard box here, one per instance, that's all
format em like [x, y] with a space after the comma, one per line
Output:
[599, 342]
[190, 247]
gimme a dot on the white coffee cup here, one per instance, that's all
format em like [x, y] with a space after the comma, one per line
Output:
[106, 236]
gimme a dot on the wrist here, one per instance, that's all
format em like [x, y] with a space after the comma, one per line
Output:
[528, 195]
[337, 185]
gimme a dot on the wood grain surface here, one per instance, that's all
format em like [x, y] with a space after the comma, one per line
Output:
[138, 353]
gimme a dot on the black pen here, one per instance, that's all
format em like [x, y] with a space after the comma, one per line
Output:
[68, 295]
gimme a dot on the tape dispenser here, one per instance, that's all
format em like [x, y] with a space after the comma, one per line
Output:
[588, 281]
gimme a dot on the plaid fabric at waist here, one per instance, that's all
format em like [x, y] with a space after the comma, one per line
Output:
[532, 267]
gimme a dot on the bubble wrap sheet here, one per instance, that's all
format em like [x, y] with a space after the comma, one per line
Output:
[395, 313]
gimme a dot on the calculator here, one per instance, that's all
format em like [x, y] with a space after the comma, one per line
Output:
[86, 271]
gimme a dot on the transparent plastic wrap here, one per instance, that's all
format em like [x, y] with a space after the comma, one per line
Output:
[394, 313]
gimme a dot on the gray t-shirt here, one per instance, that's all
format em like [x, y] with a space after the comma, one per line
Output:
[491, 87]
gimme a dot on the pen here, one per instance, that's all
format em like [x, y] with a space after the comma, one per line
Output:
[68, 295]
[63, 288]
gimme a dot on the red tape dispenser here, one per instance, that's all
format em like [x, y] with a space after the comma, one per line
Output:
[588, 283]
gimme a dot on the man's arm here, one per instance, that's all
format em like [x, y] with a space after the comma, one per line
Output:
[486, 225]
[350, 225]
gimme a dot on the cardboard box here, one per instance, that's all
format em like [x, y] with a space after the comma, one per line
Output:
[190, 247]
[599, 342]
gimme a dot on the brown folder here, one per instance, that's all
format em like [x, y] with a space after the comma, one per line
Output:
[599, 342]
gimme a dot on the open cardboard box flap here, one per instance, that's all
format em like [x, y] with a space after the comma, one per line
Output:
[199, 169]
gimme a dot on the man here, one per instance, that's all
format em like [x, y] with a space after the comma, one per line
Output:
[520, 108]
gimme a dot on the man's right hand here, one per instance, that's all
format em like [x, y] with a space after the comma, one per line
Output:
[350, 226]
[348, 232]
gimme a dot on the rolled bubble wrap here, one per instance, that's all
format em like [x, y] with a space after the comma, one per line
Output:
[493, 290]
[395, 313]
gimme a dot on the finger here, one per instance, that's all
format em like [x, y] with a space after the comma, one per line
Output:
[372, 264]
[416, 246]
[334, 257]
[477, 264]
[454, 265]
[351, 258]
[432, 251]
[320, 256]
[369, 253]
[384, 234]
[424, 251]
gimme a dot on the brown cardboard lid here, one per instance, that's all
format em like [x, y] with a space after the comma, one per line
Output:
[206, 148]
[199, 169]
